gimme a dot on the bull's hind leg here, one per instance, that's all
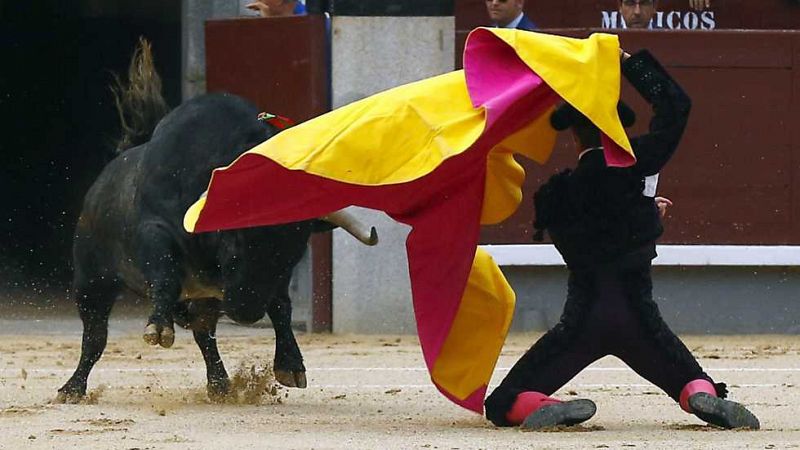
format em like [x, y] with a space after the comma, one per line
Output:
[288, 367]
[94, 305]
[202, 317]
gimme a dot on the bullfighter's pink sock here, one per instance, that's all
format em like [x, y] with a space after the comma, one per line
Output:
[526, 403]
[693, 387]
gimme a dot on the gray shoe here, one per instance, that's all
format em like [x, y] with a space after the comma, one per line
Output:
[722, 413]
[565, 413]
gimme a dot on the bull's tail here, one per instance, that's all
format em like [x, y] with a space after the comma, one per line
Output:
[140, 104]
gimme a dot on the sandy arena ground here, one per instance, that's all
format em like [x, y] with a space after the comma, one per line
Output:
[364, 392]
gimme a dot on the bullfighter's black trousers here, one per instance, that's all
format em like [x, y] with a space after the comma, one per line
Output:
[608, 311]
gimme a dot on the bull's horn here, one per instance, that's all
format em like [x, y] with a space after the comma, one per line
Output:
[349, 223]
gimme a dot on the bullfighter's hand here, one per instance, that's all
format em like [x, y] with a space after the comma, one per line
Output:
[662, 203]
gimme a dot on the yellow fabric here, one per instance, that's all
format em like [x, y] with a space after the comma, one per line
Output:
[584, 72]
[469, 353]
[193, 214]
[405, 133]
[399, 135]
[504, 175]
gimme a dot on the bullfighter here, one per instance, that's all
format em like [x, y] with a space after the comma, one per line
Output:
[605, 226]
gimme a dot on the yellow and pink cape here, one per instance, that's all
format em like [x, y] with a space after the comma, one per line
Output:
[437, 155]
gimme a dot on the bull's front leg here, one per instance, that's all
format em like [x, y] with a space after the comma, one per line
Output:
[202, 316]
[163, 273]
[288, 367]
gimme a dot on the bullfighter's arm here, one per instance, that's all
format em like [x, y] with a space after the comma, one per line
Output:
[671, 108]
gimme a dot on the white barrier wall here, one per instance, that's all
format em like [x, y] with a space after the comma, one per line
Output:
[194, 14]
[371, 292]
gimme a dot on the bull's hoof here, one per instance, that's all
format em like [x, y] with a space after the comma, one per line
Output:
[218, 390]
[167, 337]
[164, 337]
[69, 396]
[291, 379]
[151, 335]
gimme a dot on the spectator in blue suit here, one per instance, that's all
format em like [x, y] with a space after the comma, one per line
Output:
[509, 14]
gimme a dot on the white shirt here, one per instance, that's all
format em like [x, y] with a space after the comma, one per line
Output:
[650, 185]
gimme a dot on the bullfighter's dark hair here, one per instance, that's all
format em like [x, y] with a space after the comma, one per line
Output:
[140, 105]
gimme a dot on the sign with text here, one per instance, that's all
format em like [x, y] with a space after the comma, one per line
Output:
[671, 15]
[671, 20]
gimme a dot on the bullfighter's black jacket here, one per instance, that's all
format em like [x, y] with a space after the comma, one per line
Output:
[598, 215]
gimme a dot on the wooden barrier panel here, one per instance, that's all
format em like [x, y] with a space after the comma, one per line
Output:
[735, 178]
[277, 63]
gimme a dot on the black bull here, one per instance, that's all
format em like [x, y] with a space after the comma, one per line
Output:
[130, 235]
